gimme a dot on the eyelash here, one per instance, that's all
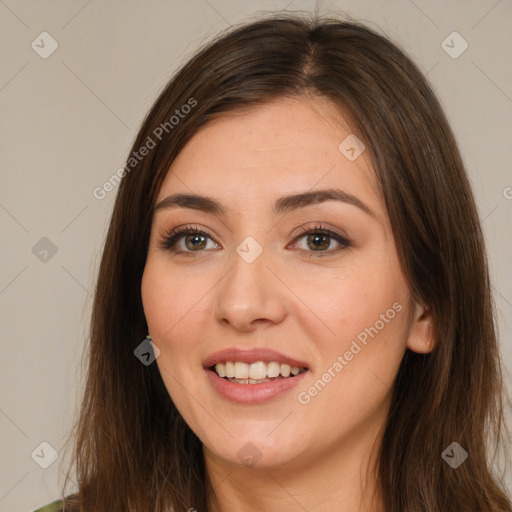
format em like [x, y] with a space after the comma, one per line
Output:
[169, 239]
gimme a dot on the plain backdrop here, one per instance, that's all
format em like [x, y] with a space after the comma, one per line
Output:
[69, 114]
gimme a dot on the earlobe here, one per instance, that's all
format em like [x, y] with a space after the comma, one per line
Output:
[421, 333]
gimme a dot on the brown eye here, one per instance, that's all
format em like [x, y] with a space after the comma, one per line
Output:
[195, 240]
[319, 240]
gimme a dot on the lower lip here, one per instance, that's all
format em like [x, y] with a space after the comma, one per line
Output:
[252, 393]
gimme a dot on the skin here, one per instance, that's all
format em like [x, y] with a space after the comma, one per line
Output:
[318, 455]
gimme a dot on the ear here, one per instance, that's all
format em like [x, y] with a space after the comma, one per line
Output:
[421, 334]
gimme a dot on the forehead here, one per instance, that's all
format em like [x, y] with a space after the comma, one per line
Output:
[284, 146]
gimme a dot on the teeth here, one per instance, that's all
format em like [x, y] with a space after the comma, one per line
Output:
[258, 370]
[255, 373]
[241, 370]
[273, 369]
[230, 369]
[248, 381]
[285, 370]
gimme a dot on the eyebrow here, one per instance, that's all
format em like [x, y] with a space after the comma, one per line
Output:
[282, 205]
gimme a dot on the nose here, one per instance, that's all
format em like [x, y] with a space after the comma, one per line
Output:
[250, 294]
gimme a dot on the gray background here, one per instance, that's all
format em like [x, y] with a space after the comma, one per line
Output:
[68, 122]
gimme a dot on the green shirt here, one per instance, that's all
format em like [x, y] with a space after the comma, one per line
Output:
[54, 506]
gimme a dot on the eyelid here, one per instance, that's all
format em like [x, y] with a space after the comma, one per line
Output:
[319, 226]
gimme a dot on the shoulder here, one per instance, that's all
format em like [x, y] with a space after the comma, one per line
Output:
[55, 506]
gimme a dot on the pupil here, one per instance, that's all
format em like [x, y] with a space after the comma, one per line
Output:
[194, 245]
[316, 238]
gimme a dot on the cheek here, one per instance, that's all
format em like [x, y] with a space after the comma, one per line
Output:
[346, 304]
[157, 299]
[172, 305]
[359, 358]
[360, 315]
[173, 310]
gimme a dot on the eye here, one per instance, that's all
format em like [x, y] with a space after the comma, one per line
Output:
[188, 240]
[194, 240]
[319, 239]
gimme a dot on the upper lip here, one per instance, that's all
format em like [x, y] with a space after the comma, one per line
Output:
[251, 356]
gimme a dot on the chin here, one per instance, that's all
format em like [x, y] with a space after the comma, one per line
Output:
[257, 455]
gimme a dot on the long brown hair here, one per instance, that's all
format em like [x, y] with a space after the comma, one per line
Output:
[132, 449]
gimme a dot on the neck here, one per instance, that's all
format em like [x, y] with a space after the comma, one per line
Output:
[318, 483]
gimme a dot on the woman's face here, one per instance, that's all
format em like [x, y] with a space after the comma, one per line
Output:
[280, 278]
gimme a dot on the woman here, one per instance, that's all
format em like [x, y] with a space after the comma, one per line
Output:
[293, 307]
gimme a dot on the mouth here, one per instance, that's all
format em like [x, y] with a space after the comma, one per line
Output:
[259, 372]
[252, 376]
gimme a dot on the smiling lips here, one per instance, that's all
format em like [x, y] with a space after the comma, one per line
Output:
[269, 374]
[256, 363]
